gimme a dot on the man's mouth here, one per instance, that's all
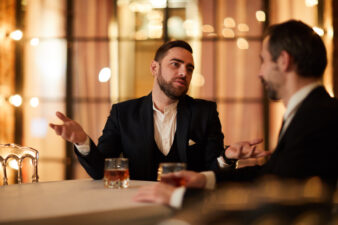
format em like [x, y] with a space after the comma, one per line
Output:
[180, 82]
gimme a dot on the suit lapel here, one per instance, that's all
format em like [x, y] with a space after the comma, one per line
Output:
[147, 117]
[182, 129]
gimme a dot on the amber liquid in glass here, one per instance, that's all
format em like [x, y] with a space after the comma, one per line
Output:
[116, 178]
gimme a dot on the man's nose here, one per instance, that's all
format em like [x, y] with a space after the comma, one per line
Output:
[260, 73]
[182, 71]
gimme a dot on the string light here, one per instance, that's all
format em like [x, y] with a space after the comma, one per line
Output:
[207, 28]
[260, 16]
[34, 41]
[229, 22]
[311, 3]
[228, 33]
[243, 27]
[34, 102]
[242, 43]
[15, 100]
[104, 74]
[16, 35]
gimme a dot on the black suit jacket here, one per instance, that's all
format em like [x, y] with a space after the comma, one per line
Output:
[130, 130]
[309, 146]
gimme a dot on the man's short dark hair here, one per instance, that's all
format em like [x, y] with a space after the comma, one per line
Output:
[304, 45]
[162, 51]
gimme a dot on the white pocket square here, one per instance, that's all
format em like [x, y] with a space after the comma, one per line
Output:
[191, 142]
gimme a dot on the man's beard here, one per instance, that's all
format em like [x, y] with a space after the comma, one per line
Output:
[271, 92]
[169, 90]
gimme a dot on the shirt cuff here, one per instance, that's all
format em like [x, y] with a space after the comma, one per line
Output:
[211, 180]
[176, 198]
[222, 163]
[84, 148]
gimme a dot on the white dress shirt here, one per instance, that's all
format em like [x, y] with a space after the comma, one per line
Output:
[165, 127]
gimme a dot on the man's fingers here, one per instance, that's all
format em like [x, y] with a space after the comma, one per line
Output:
[263, 153]
[255, 141]
[57, 128]
[62, 117]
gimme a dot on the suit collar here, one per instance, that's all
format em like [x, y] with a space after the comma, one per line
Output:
[318, 94]
[183, 124]
[297, 98]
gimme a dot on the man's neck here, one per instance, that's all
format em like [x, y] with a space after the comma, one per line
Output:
[294, 84]
[161, 100]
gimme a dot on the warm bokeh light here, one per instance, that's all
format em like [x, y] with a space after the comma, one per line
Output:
[141, 35]
[175, 27]
[243, 27]
[159, 3]
[140, 7]
[207, 28]
[16, 35]
[155, 15]
[330, 32]
[104, 74]
[34, 102]
[229, 22]
[212, 35]
[318, 30]
[260, 16]
[34, 41]
[311, 3]
[242, 43]
[155, 30]
[191, 28]
[228, 33]
[15, 100]
[197, 80]
[2, 100]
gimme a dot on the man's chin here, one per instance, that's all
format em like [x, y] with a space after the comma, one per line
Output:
[177, 96]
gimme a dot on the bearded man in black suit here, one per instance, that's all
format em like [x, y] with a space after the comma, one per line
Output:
[165, 126]
[293, 62]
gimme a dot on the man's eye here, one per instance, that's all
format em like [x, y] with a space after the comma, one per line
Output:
[176, 64]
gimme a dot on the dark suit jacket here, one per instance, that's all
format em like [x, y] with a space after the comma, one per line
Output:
[130, 130]
[309, 146]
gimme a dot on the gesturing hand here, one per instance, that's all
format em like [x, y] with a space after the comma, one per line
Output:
[70, 130]
[192, 179]
[245, 150]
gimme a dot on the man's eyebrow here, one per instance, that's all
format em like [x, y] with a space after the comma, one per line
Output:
[181, 61]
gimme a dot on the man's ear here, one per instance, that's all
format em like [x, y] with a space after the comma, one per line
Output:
[284, 61]
[154, 67]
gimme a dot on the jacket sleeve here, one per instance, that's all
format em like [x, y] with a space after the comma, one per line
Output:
[109, 146]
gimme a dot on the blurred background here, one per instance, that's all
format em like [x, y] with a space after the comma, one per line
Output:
[81, 56]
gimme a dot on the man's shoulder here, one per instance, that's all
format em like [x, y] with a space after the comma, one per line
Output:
[135, 101]
[320, 99]
[199, 101]
[134, 104]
